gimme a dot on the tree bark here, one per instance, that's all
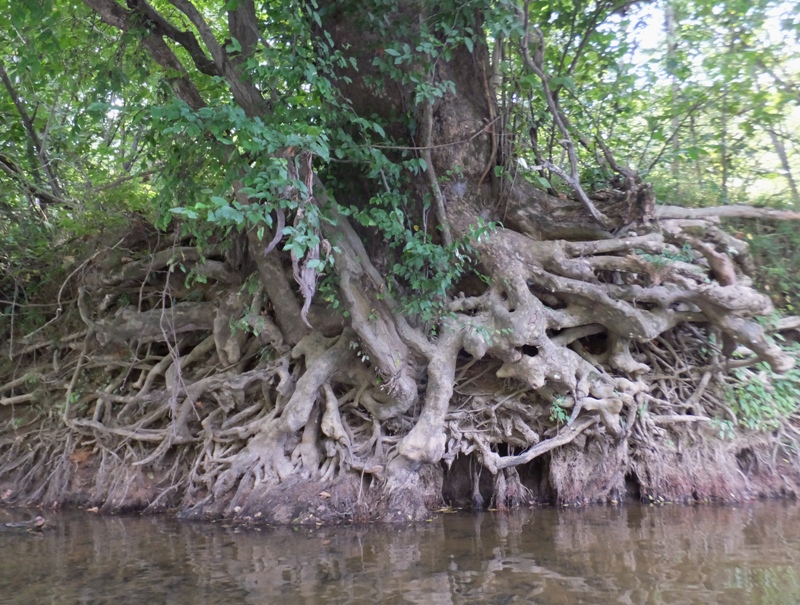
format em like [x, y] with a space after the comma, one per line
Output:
[780, 151]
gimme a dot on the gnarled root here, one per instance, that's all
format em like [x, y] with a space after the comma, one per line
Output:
[582, 366]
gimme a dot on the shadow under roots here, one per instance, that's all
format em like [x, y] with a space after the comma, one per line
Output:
[467, 484]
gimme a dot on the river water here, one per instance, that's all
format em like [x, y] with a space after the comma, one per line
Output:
[631, 555]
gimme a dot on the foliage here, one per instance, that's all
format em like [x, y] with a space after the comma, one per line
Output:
[761, 399]
[558, 413]
[699, 97]
[718, 100]
[108, 117]
[667, 257]
[725, 428]
[72, 113]
[776, 250]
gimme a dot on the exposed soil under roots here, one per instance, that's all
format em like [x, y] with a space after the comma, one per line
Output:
[143, 393]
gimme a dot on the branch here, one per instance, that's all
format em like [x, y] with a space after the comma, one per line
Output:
[26, 398]
[27, 122]
[785, 86]
[786, 323]
[573, 182]
[689, 113]
[676, 419]
[716, 212]
[30, 377]
[536, 65]
[115, 15]
[438, 199]
[213, 46]
[590, 29]
[245, 93]
[124, 179]
[185, 39]
[15, 172]
[242, 25]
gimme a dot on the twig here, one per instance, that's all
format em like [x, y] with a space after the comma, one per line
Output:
[677, 419]
[81, 358]
[17, 400]
[437, 146]
[536, 65]
[430, 172]
[20, 381]
[64, 284]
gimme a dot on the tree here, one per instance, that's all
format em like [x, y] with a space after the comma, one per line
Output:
[384, 287]
[722, 60]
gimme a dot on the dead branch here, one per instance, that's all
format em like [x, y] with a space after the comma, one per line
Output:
[718, 212]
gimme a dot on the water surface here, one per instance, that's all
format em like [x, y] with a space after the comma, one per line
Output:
[629, 555]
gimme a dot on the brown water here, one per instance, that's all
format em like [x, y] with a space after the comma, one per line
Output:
[631, 555]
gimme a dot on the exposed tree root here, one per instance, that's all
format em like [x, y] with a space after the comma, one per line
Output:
[583, 368]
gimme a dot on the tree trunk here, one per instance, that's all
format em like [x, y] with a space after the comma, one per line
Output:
[670, 29]
[780, 151]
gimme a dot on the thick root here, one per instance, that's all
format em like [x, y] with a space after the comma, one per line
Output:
[582, 369]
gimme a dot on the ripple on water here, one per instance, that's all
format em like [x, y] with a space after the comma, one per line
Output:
[630, 555]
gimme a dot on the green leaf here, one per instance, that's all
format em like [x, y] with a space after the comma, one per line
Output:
[234, 46]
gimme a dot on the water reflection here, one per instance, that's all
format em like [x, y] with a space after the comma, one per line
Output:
[632, 555]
